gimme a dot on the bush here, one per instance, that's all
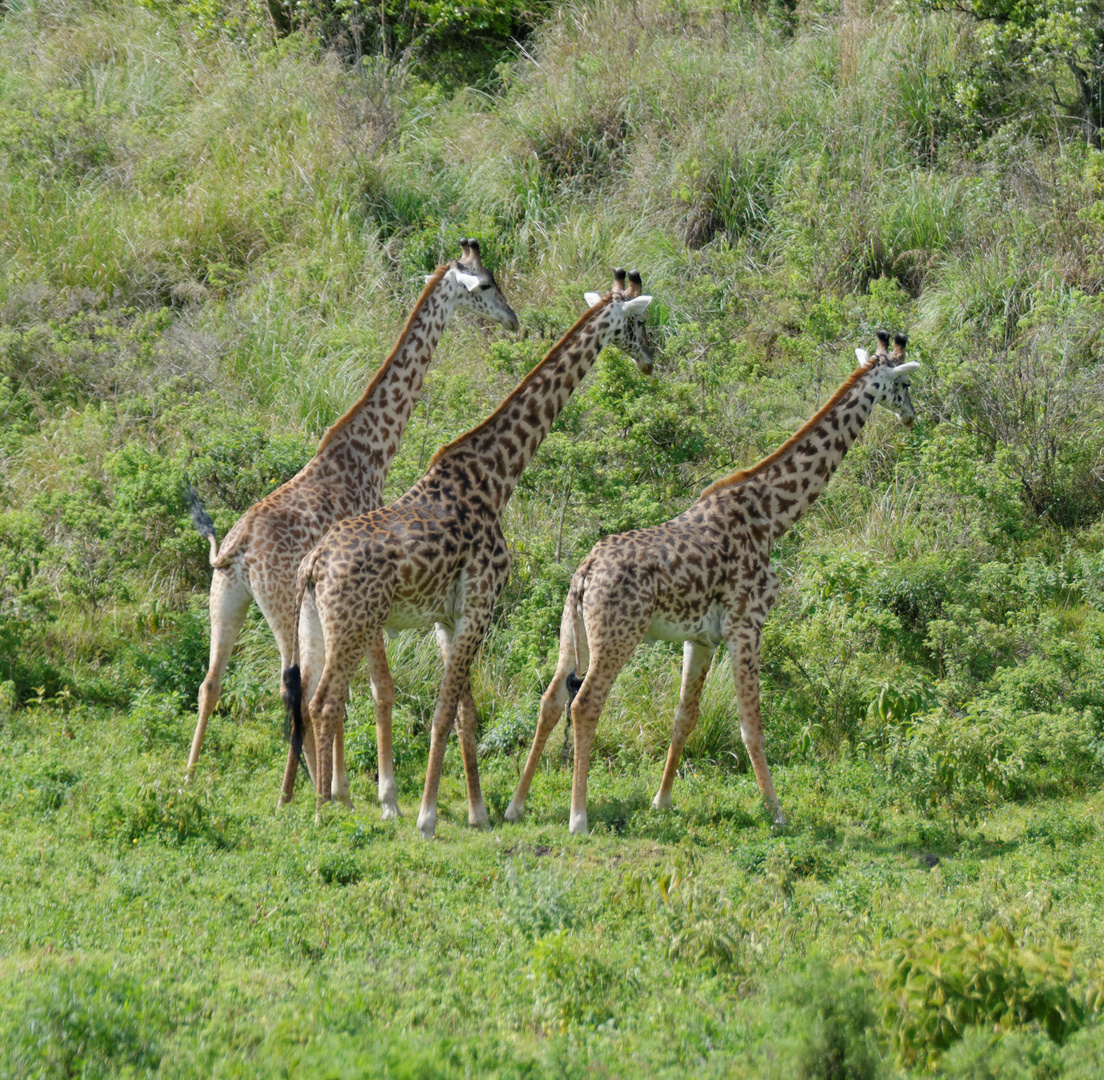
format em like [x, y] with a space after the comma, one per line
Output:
[957, 761]
[829, 1026]
[939, 983]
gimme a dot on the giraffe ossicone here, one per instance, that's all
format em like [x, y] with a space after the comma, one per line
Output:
[437, 556]
[703, 579]
[258, 558]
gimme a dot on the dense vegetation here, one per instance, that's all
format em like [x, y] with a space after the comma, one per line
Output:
[213, 220]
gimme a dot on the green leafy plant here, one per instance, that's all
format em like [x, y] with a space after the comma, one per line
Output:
[958, 761]
[938, 983]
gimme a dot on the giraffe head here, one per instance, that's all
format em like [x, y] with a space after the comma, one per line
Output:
[475, 288]
[627, 308]
[890, 382]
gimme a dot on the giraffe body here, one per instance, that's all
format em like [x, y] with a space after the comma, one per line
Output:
[259, 557]
[437, 555]
[704, 579]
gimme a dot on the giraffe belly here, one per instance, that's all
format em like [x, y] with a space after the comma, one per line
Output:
[702, 630]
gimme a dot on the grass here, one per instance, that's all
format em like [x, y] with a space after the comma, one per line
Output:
[177, 930]
[209, 242]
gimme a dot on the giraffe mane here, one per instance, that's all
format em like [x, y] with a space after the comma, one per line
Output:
[343, 421]
[555, 351]
[796, 437]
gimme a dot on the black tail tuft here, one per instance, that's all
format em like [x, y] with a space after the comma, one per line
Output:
[293, 706]
[200, 518]
[573, 683]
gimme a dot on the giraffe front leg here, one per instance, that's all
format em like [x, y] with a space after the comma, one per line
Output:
[467, 723]
[743, 645]
[383, 695]
[461, 650]
[695, 666]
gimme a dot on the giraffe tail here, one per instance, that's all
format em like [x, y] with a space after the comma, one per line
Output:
[574, 624]
[201, 519]
[573, 640]
[292, 689]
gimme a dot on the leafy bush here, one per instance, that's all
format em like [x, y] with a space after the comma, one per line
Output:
[535, 900]
[937, 984]
[168, 810]
[573, 986]
[339, 868]
[156, 717]
[958, 761]
[175, 663]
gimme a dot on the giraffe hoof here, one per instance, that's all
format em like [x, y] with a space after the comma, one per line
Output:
[427, 825]
[513, 813]
[390, 811]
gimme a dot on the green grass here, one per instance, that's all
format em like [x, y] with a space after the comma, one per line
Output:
[209, 239]
[177, 931]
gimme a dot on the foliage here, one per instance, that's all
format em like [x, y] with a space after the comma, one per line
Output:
[958, 762]
[213, 225]
[938, 983]
[91, 1021]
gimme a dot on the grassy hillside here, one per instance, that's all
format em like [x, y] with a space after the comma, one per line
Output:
[211, 231]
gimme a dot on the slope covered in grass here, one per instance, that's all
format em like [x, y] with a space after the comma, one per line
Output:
[210, 236]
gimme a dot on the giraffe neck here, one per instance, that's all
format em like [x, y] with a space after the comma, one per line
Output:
[502, 446]
[792, 478]
[361, 444]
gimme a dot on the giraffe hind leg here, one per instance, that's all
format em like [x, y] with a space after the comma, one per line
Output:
[567, 751]
[560, 692]
[229, 602]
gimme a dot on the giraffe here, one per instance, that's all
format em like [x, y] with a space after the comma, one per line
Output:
[258, 558]
[437, 555]
[704, 579]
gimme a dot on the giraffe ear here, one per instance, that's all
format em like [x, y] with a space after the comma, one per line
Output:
[470, 281]
[637, 305]
[904, 369]
[592, 298]
[863, 357]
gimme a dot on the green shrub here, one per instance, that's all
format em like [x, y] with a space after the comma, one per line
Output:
[939, 983]
[167, 810]
[574, 987]
[156, 717]
[339, 868]
[534, 896]
[957, 761]
[826, 1027]
[175, 663]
